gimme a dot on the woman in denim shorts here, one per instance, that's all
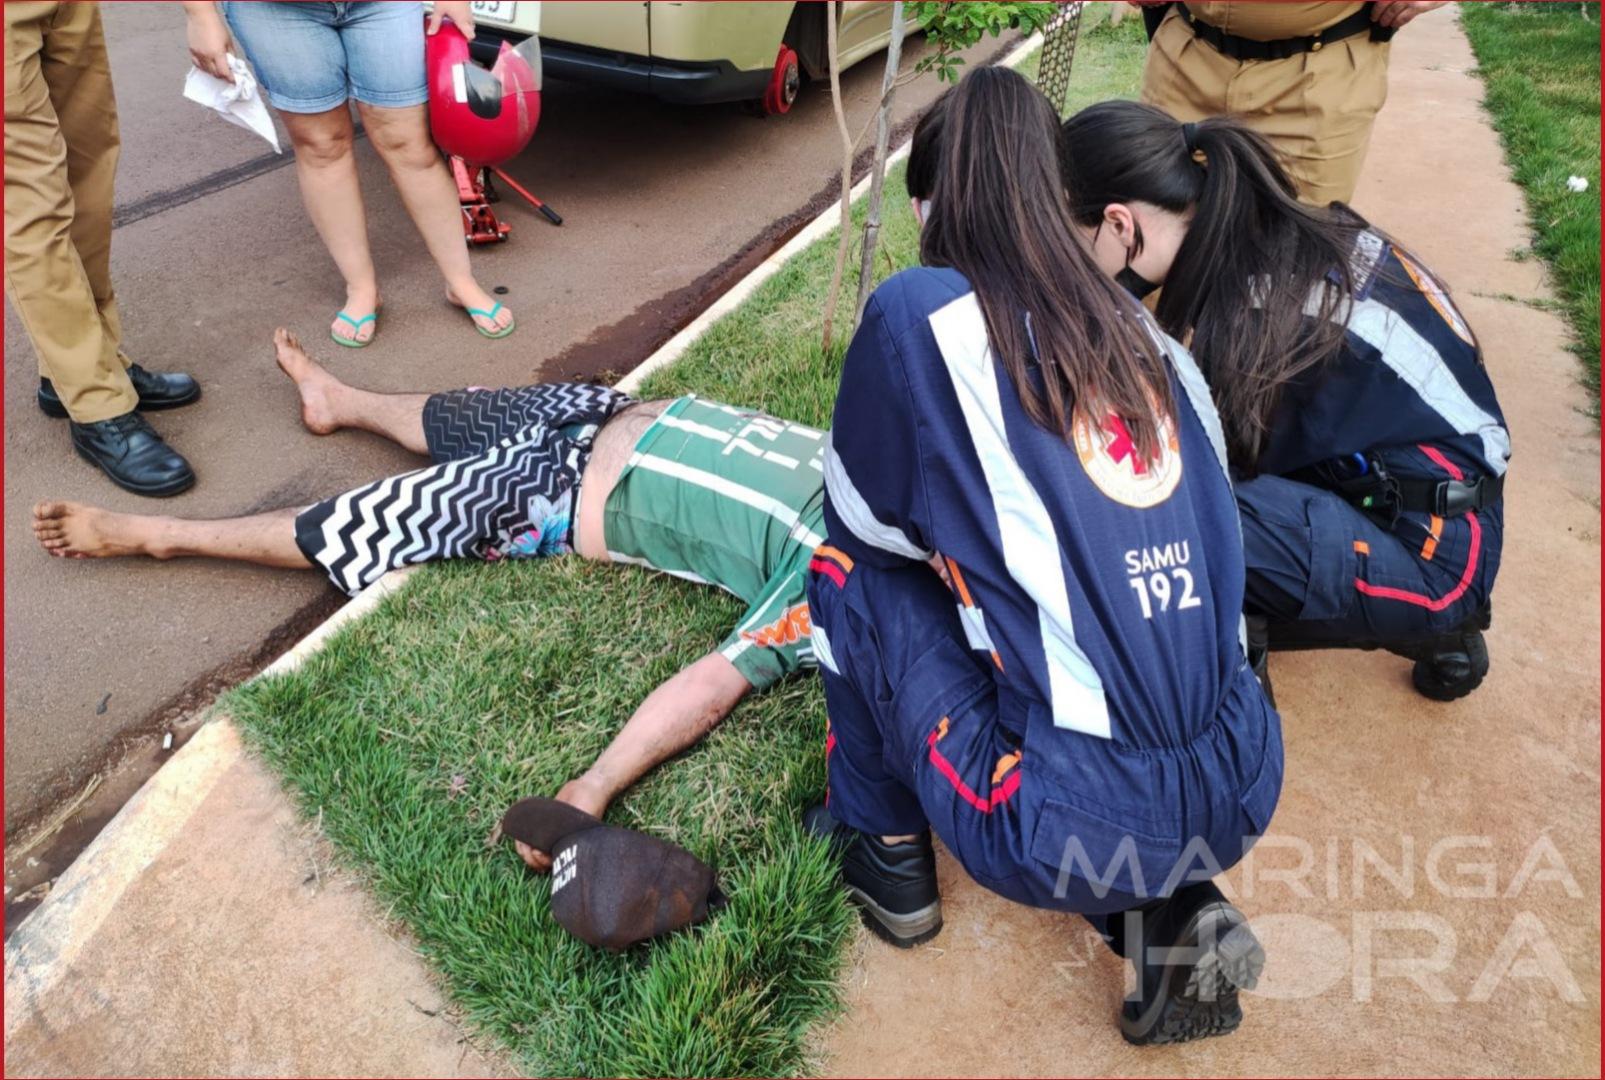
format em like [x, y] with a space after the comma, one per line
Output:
[310, 58]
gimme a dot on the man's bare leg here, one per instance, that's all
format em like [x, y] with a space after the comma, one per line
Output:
[327, 404]
[73, 531]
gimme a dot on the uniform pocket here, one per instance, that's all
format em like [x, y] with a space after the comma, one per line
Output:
[1078, 840]
[1332, 558]
[941, 680]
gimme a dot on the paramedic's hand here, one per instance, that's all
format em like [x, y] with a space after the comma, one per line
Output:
[460, 12]
[1396, 13]
[209, 41]
[939, 564]
[578, 793]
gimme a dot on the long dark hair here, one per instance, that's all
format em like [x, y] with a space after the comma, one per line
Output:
[1251, 261]
[986, 157]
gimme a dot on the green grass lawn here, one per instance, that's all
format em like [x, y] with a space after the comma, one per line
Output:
[477, 685]
[1541, 65]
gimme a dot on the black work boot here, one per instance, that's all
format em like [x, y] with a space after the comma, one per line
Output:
[156, 390]
[894, 885]
[128, 450]
[1197, 952]
[1452, 665]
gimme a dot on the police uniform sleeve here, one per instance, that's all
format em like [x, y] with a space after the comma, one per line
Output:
[875, 504]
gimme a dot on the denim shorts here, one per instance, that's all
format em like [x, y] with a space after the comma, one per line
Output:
[311, 57]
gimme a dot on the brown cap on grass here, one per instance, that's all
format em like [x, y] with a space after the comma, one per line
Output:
[613, 887]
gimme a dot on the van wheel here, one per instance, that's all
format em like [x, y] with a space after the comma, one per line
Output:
[784, 82]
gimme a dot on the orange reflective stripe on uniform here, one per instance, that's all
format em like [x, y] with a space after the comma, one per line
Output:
[841, 557]
[1431, 545]
[1005, 763]
[966, 599]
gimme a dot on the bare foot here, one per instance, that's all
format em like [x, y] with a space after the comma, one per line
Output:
[472, 296]
[71, 530]
[315, 384]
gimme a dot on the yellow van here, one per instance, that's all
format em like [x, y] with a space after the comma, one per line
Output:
[687, 52]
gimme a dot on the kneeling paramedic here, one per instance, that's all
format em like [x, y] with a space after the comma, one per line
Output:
[1071, 711]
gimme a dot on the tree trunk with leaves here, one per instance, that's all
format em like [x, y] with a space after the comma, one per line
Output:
[883, 134]
[845, 240]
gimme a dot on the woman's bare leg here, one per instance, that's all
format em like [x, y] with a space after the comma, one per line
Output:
[327, 404]
[401, 136]
[326, 168]
[74, 531]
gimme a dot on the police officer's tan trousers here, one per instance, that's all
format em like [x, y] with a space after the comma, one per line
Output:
[1315, 108]
[61, 158]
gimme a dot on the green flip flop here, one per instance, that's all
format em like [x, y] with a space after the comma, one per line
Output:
[356, 328]
[491, 315]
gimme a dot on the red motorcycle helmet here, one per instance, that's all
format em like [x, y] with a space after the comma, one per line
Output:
[484, 117]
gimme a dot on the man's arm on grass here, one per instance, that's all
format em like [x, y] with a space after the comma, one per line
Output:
[673, 717]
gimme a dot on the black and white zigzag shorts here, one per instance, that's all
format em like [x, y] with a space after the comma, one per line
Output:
[507, 464]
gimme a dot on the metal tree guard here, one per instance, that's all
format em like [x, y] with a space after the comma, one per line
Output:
[1059, 52]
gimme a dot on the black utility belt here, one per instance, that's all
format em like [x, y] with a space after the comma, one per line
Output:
[1447, 498]
[1378, 492]
[1242, 48]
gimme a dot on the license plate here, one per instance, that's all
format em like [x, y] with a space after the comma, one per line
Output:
[495, 11]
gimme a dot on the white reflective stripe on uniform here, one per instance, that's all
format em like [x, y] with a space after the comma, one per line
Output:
[858, 517]
[1031, 549]
[1422, 368]
[735, 649]
[1197, 390]
[740, 492]
[974, 624]
[822, 650]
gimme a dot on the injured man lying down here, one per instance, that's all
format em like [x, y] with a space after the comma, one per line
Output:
[693, 488]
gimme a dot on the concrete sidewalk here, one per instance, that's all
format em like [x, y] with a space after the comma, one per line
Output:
[205, 934]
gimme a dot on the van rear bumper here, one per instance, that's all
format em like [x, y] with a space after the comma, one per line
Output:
[702, 83]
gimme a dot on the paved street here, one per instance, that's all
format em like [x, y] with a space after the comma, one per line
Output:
[664, 206]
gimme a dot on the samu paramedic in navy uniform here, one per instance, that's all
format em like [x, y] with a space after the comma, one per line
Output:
[1358, 414]
[1071, 711]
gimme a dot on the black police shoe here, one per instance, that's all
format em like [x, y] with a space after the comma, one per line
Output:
[1451, 666]
[128, 450]
[894, 885]
[1197, 953]
[156, 390]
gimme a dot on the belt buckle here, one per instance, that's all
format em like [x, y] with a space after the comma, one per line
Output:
[1454, 498]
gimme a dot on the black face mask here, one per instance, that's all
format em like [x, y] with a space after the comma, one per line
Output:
[1127, 278]
[1135, 283]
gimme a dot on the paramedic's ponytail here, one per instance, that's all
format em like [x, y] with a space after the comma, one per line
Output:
[1064, 332]
[1252, 258]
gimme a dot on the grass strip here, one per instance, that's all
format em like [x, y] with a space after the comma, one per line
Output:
[1540, 62]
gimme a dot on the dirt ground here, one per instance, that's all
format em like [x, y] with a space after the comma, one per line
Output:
[664, 207]
[1477, 950]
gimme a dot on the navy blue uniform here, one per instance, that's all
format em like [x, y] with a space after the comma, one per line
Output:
[1407, 392]
[1074, 717]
